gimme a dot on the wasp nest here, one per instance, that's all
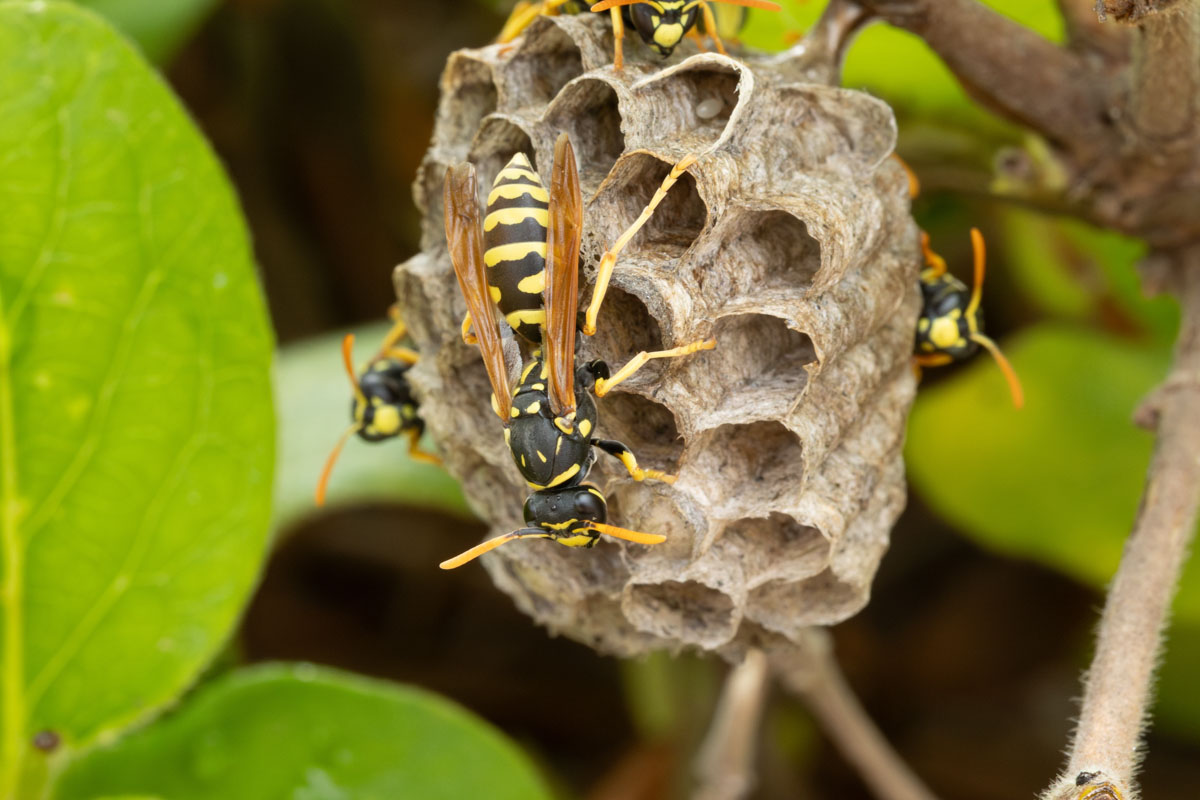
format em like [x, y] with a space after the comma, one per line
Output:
[789, 240]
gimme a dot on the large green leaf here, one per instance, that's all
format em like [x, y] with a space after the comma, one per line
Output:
[310, 734]
[1059, 480]
[136, 430]
[314, 407]
[158, 26]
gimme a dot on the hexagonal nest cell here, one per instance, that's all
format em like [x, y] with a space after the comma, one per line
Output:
[789, 240]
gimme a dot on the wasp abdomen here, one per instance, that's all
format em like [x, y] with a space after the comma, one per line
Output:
[514, 240]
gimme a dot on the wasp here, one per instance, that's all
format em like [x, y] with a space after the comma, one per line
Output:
[950, 327]
[550, 417]
[662, 25]
[383, 406]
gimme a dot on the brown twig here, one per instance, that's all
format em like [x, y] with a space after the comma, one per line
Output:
[725, 763]
[1164, 95]
[1118, 685]
[819, 682]
[1008, 67]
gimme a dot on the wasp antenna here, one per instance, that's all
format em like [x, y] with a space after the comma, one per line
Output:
[1014, 383]
[932, 259]
[491, 544]
[605, 5]
[980, 259]
[333, 457]
[348, 361]
[626, 534]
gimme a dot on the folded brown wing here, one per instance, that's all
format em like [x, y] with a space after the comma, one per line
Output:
[561, 294]
[464, 235]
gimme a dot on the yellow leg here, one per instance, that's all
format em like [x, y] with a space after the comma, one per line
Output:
[710, 23]
[399, 331]
[467, 336]
[604, 275]
[638, 474]
[416, 453]
[604, 386]
[402, 354]
[914, 183]
[618, 39]
[697, 37]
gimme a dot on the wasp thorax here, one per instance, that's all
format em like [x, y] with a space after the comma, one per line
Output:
[567, 504]
[789, 240]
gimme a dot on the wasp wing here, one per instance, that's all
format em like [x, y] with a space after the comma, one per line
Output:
[465, 238]
[561, 294]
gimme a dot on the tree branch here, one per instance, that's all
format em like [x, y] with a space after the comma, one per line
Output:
[1164, 102]
[1117, 688]
[725, 764]
[1008, 67]
[819, 682]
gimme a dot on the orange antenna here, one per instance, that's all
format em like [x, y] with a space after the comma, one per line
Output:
[329, 462]
[932, 259]
[980, 258]
[627, 535]
[491, 544]
[1014, 383]
[348, 361]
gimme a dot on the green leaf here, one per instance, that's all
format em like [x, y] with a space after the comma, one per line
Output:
[1081, 272]
[158, 26]
[310, 734]
[1057, 482]
[136, 430]
[314, 408]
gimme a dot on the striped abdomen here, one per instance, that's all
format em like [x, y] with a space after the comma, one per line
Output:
[514, 241]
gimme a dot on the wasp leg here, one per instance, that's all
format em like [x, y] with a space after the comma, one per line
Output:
[933, 360]
[399, 331]
[416, 453]
[626, 457]
[605, 385]
[618, 39]
[710, 22]
[698, 37]
[467, 336]
[402, 354]
[604, 275]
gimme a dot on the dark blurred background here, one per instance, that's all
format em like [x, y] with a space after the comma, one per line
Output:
[321, 111]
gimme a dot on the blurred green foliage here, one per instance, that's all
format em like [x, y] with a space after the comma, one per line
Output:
[311, 734]
[136, 409]
[314, 396]
[159, 27]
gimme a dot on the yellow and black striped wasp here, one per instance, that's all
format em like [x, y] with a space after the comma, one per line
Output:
[950, 327]
[383, 406]
[662, 24]
[550, 416]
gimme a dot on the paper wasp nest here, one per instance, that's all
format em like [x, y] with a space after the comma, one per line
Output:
[790, 241]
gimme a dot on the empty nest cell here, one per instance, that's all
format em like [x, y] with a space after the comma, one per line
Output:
[624, 329]
[777, 546]
[788, 607]
[541, 67]
[469, 97]
[588, 110]
[676, 223]
[685, 611]
[761, 363]
[648, 428]
[498, 140]
[747, 468]
[753, 250]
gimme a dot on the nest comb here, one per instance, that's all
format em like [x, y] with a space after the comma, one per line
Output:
[790, 241]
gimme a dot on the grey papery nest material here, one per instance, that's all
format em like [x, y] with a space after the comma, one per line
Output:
[789, 240]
